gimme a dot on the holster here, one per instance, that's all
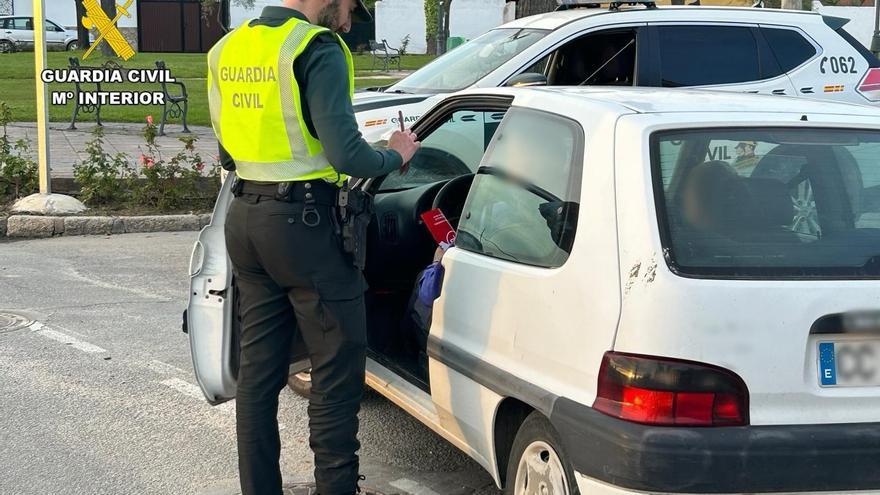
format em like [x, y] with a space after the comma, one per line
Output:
[355, 209]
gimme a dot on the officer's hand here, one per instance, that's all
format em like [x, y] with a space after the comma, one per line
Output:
[406, 143]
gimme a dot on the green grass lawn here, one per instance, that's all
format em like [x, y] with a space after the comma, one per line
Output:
[17, 87]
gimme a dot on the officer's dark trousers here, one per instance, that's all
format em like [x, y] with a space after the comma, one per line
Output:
[295, 278]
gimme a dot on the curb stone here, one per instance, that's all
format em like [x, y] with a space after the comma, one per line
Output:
[22, 226]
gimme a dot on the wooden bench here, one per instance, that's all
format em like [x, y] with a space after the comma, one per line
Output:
[176, 104]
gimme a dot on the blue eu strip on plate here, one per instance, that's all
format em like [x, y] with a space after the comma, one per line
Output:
[827, 369]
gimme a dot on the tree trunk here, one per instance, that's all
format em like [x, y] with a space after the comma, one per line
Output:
[526, 8]
[109, 7]
[445, 34]
[82, 34]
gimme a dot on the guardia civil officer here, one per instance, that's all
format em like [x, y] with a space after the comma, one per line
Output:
[280, 93]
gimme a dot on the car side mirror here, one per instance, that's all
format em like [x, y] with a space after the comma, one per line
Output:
[527, 79]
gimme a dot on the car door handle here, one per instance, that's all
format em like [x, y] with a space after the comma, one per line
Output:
[8, 32]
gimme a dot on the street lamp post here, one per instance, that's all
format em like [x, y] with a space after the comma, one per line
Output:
[42, 110]
[875, 43]
[44, 202]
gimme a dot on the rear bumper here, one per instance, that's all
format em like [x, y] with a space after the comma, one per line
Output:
[595, 487]
[797, 458]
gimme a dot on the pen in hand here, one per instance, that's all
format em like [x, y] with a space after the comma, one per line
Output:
[405, 166]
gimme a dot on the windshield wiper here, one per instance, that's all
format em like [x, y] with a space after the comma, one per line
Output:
[399, 92]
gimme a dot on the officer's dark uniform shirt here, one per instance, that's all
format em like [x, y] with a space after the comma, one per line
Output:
[321, 72]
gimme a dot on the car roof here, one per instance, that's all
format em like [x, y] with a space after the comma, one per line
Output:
[668, 100]
[555, 20]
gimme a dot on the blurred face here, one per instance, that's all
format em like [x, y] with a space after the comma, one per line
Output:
[336, 15]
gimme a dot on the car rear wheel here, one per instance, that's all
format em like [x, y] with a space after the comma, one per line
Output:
[301, 383]
[6, 46]
[538, 465]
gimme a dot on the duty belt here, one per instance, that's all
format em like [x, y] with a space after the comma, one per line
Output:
[316, 192]
[309, 193]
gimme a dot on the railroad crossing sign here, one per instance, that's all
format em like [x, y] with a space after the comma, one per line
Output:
[107, 30]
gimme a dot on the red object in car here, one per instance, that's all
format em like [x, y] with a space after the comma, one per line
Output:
[440, 228]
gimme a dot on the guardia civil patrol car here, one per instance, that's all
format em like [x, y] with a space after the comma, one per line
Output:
[651, 291]
[765, 51]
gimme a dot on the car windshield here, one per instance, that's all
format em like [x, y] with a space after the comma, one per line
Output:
[470, 62]
[765, 203]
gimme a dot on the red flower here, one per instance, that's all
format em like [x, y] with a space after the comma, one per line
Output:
[150, 119]
[149, 163]
[142, 159]
[199, 166]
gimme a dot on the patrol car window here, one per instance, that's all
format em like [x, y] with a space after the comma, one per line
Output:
[606, 58]
[453, 149]
[789, 46]
[523, 204]
[703, 55]
[470, 62]
[770, 202]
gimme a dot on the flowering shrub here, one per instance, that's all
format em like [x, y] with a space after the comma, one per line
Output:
[150, 180]
[99, 175]
[18, 172]
[169, 183]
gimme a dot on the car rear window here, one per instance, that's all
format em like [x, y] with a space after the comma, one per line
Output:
[873, 61]
[769, 203]
[789, 47]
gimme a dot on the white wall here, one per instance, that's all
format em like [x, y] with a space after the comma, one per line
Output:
[468, 19]
[63, 12]
[861, 24]
[471, 18]
[239, 14]
[397, 18]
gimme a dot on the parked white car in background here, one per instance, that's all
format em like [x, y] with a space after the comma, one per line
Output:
[766, 51]
[17, 33]
[635, 303]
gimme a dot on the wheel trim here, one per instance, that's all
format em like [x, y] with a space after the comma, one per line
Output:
[540, 472]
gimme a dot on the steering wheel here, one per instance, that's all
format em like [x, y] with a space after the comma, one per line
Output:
[450, 197]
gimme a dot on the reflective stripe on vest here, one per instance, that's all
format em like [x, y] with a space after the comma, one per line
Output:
[255, 105]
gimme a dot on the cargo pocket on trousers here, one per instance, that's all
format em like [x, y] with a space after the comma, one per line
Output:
[342, 290]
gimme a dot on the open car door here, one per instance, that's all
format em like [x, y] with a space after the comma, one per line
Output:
[211, 318]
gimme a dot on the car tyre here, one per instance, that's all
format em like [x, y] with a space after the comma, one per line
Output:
[538, 464]
[71, 46]
[6, 46]
[301, 383]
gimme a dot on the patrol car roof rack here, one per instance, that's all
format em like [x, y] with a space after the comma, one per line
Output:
[613, 5]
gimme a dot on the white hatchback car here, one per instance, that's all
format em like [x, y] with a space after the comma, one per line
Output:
[17, 33]
[766, 51]
[651, 291]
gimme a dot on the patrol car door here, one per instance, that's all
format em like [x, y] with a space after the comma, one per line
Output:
[729, 57]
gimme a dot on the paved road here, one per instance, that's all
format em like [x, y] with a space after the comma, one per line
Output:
[98, 397]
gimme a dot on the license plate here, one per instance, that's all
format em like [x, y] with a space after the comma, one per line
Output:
[849, 363]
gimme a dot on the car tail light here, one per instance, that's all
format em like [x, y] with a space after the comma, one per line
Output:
[870, 85]
[662, 391]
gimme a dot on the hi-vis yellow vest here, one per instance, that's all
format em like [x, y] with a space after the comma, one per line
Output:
[255, 104]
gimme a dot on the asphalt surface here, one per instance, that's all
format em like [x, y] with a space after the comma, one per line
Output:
[98, 396]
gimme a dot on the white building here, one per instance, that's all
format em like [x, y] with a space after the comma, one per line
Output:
[861, 20]
[396, 19]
